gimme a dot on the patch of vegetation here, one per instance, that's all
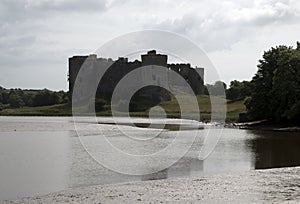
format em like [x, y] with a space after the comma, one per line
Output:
[171, 107]
[53, 110]
[17, 98]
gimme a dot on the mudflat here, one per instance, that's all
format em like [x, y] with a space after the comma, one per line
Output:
[280, 185]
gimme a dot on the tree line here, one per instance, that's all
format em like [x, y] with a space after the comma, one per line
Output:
[17, 98]
[237, 90]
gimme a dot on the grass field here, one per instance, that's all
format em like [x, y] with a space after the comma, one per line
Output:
[171, 108]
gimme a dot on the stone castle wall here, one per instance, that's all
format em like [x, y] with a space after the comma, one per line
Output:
[119, 68]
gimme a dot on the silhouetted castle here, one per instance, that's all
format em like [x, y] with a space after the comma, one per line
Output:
[119, 68]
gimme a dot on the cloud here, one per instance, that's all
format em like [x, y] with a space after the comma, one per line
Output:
[267, 12]
[67, 5]
[28, 22]
[223, 26]
[37, 37]
[35, 34]
[12, 11]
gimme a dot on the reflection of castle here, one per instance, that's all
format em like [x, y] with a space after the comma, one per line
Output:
[186, 166]
[119, 68]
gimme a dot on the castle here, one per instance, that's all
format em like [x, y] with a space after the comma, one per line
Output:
[119, 68]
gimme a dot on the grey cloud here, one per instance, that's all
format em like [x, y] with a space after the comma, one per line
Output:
[25, 23]
[15, 10]
[28, 40]
[35, 34]
[67, 5]
[230, 24]
[10, 10]
[273, 12]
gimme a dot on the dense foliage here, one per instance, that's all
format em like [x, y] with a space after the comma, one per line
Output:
[16, 98]
[238, 90]
[276, 85]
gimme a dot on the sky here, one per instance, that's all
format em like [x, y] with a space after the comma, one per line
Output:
[38, 36]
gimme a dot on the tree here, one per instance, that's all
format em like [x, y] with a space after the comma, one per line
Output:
[28, 98]
[238, 90]
[99, 104]
[45, 98]
[276, 85]
[63, 97]
[1, 95]
[15, 100]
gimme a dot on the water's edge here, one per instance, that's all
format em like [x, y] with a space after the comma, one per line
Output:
[259, 186]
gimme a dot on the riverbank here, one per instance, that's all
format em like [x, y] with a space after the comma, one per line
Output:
[171, 107]
[260, 186]
[268, 126]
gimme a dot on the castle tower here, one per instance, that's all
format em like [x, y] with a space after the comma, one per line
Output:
[75, 64]
[151, 58]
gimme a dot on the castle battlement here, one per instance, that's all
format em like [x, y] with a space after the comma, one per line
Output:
[120, 67]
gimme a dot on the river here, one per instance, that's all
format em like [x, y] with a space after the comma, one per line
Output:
[39, 155]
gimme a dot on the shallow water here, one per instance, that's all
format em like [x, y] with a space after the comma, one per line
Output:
[39, 155]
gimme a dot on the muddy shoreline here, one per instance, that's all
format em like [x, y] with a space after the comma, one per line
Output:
[266, 126]
[280, 185]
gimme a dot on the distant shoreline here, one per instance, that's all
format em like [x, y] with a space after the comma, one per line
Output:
[230, 123]
[265, 125]
[171, 108]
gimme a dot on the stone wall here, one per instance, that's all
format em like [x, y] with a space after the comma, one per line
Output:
[119, 68]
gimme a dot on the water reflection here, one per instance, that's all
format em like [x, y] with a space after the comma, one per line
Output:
[185, 167]
[232, 154]
[86, 171]
[274, 149]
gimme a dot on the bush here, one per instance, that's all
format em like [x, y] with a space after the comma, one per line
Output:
[15, 101]
[45, 98]
[99, 104]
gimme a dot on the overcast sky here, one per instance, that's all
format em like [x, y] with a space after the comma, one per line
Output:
[38, 36]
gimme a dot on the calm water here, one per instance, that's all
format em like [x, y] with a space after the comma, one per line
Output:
[39, 155]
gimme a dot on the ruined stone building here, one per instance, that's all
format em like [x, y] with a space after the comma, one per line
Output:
[121, 67]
